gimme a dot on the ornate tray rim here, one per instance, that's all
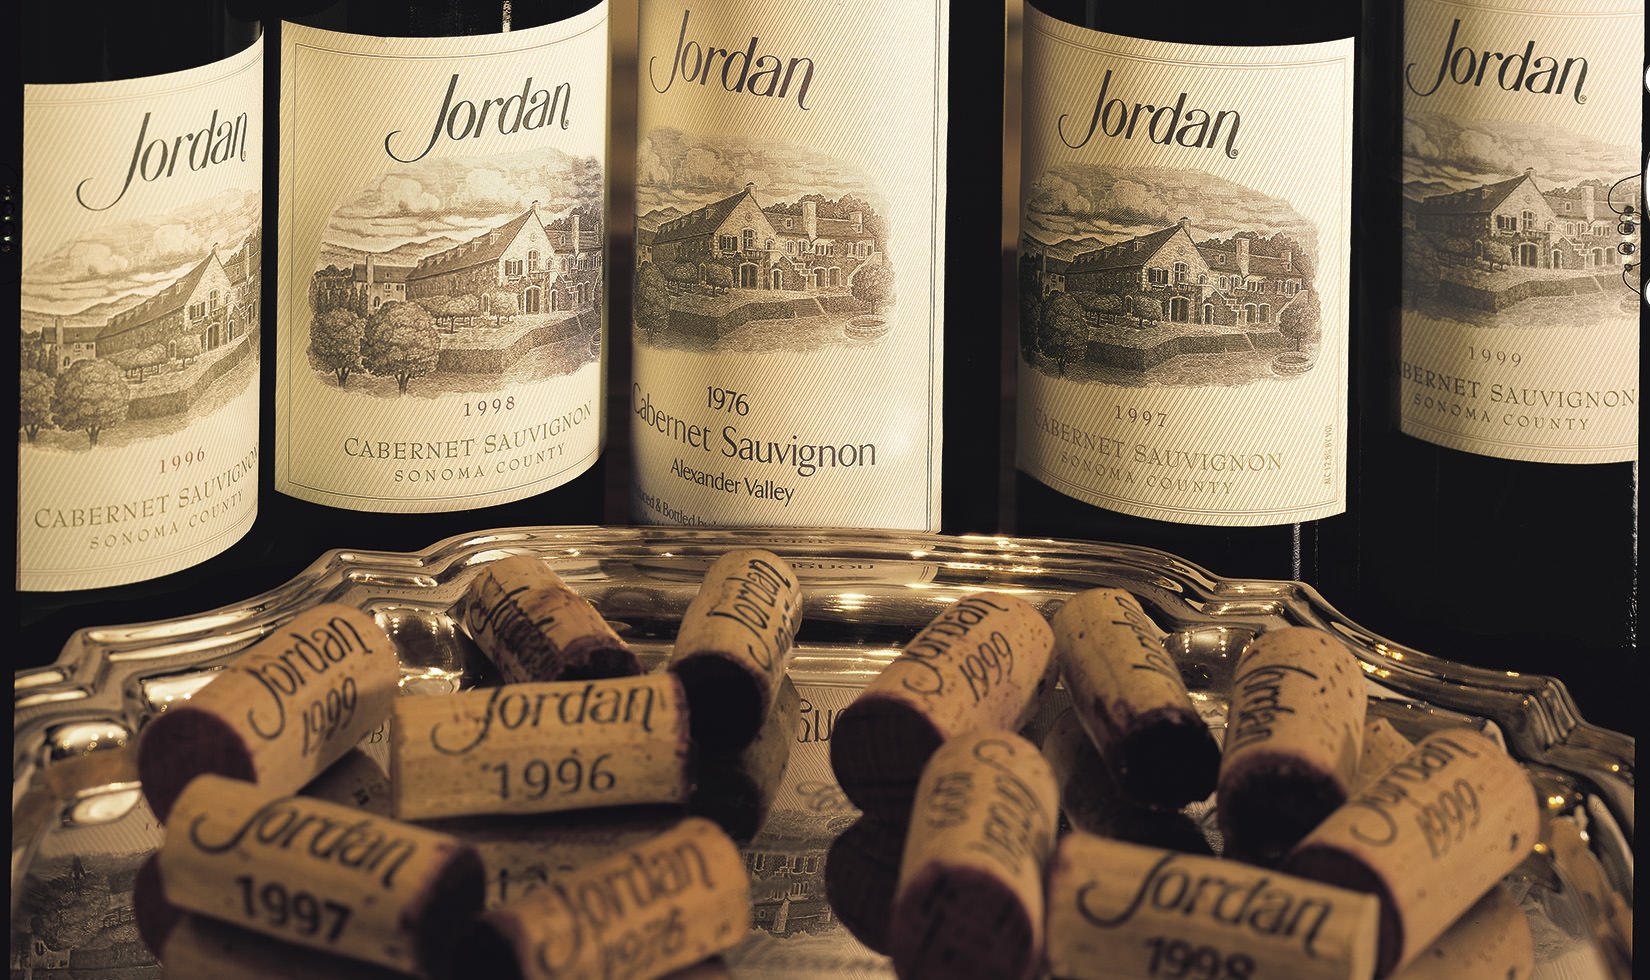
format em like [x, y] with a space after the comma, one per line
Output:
[91, 677]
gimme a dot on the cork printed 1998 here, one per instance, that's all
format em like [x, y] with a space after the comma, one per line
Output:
[142, 273]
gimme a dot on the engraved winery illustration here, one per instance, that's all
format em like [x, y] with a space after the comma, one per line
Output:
[1511, 228]
[1159, 277]
[794, 259]
[134, 331]
[461, 275]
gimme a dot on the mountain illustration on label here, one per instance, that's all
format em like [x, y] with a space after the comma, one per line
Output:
[1114, 291]
[797, 261]
[439, 278]
[134, 331]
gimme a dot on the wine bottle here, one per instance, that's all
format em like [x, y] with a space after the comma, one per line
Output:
[141, 277]
[1507, 490]
[442, 300]
[1185, 279]
[817, 264]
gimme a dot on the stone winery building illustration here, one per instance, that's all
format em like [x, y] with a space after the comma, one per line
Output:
[549, 268]
[1561, 229]
[781, 247]
[212, 306]
[1212, 284]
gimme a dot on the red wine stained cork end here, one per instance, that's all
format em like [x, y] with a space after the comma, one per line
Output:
[1168, 734]
[452, 896]
[156, 917]
[181, 744]
[712, 678]
[488, 947]
[986, 932]
[878, 750]
[1272, 801]
[861, 877]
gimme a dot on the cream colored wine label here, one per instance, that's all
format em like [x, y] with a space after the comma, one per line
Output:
[1522, 128]
[142, 268]
[790, 204]
[1183, 275]
[442, 301]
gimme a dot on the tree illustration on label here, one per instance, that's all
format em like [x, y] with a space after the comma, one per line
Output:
[90, 396]
[462, 274]
[165, 356]
[335, 339]
[1152, 276]
[400, 341]
[35, 402]
[797, 261]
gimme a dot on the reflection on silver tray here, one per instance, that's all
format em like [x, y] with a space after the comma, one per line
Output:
[79, 827]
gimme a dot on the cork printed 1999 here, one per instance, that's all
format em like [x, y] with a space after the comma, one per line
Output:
[142, 272]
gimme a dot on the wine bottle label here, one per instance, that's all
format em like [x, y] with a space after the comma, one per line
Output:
[1183, 275]
[1522, 126]
[142, 269]
[442, 308]
[790, 207]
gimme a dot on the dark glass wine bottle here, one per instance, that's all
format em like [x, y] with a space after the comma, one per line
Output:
[1186, 281]
[480, 405]
[818, 265]
[1504, 495]
[140, 269]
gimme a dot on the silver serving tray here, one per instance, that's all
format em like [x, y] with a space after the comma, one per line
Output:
[80, 828]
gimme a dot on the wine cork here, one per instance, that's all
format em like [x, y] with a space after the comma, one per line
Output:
[1491, 942]
[665, 904]
[1383, 746]
[154, 916]
[737, 789]
[1294, 733]
[735, 643]
[982, 663]
[1120, 910]
[319, 874]
[714, 968]
[283, 711]
[1128, 693]
[200, 947]
[970, 895]
[538, 748]
[861, 874]
[521, 855]
[1091, 801]
[534, 628]
[1429, 838]
[355, 780]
